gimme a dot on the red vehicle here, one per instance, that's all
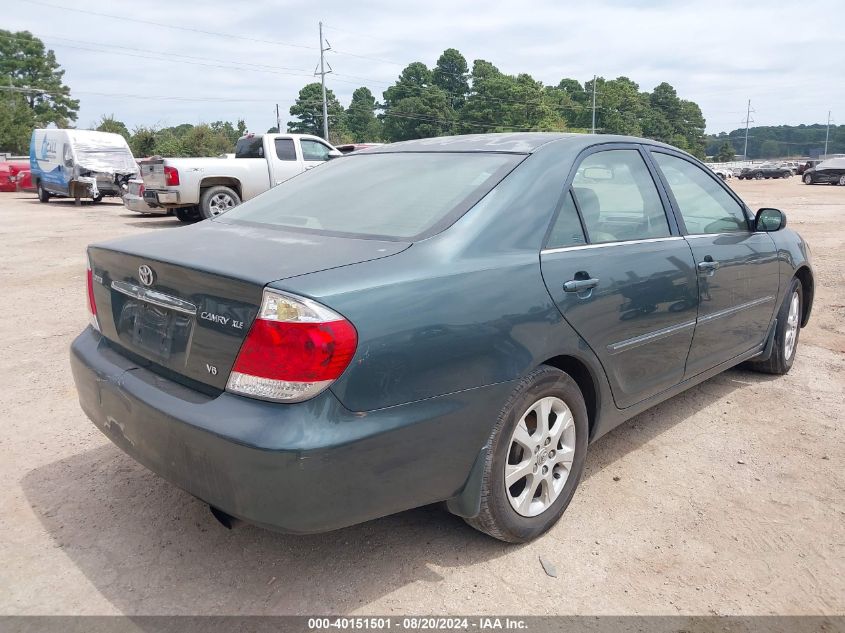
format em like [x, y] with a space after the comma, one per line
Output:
[24, 180]
[9, 171]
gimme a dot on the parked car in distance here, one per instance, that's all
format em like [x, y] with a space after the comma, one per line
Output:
[473, 313]
[830, 171]
[79, 163]
[9, 171]
[722, 172]
[348, 148]
[766, 170]
[23, 182]
[807, 165]
[206, 187]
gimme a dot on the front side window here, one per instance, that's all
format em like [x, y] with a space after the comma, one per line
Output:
[618, 198]
[704, 205]
[314, 150]
[285, 149]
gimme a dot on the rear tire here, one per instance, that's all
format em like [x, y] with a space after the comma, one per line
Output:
[43, 196]
[537, 455]
[786, 334]
[96, 199]
[842, 180]
[215, 201]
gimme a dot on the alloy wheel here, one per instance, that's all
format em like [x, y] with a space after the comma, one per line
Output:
[791, 326]
[539, 458]
[842, 180]
[220, 203]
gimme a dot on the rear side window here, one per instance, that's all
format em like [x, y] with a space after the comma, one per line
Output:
[704, 205]
[250, 147]
[392, 195]
[618, 198]
[567, 229]
[285, 149]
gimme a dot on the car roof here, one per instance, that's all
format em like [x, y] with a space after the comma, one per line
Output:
[514, 143]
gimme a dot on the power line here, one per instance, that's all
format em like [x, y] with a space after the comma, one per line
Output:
[168, 26]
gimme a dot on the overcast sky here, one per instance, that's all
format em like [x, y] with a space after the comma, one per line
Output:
[787, 57]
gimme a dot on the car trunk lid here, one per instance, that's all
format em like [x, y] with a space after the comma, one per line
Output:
[184, 301]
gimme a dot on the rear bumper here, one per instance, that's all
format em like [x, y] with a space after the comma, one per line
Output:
[307, 467]
[160, 198]
[139, 205]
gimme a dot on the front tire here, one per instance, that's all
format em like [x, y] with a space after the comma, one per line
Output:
[786, 334]
[215, 201]
[535, 457]
[43, 196]
[842, 180]
[808, 179]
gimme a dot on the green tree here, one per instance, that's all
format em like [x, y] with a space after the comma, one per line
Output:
[308, 111]
[16, 123]
[143, 142]
[502, 103]
[451, 75]
[412, 82]
[35, 82]
[423, 116]
[108, 123]
[726, 152]
[361, 119]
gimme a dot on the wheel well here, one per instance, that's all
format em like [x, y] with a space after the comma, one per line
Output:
[582, 376]
[807, 290]
[232, 183]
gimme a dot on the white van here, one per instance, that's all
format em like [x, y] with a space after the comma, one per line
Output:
[80, 164]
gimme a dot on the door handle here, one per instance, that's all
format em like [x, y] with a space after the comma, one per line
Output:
[579, 285]
[708, 265]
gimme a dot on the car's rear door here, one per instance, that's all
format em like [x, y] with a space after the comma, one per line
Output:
[738, 271]
[284, 162]
[621, 274]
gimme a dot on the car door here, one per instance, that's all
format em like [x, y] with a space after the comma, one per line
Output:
[738, 272]
[621, 274]
[285, 163]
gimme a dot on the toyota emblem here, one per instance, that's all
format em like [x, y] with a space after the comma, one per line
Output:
[146, 275]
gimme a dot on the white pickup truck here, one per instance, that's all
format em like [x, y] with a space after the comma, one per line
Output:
[206, 187]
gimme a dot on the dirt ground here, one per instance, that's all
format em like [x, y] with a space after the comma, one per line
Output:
[727, 499]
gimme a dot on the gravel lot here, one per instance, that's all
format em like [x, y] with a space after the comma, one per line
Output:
[727, 499]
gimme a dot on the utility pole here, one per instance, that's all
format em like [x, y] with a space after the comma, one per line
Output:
[827, 134]
[323, 72]
[594, 104]
[278, 121]
[748, 120]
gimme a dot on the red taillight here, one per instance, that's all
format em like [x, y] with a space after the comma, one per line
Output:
[141, 191]
[171, 176]
[92, 304]
[293, 351]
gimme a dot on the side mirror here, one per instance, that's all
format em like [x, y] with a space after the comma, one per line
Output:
[334, 153]
[770, 220]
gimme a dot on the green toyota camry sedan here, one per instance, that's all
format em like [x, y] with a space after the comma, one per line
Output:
[443, 320]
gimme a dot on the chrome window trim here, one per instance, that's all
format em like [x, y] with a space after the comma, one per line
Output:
[154, 297]
[693, 236]
[648, 337]
[578, 247]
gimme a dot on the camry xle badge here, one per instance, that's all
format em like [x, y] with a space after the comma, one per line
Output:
[146, 275]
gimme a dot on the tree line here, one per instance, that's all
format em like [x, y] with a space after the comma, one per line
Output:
[451, 98]
[779, 141]
[448, 98]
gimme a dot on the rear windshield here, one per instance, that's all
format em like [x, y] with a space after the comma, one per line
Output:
[398, 196]
[250, 147]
